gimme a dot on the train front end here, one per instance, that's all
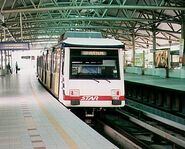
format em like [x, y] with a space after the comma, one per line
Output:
[92, 73]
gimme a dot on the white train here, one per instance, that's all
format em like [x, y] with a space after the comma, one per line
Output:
[84, 70]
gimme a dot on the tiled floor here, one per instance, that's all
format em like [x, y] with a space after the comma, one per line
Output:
[30, 118]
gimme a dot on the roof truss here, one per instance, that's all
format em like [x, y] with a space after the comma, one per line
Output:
[30, 20]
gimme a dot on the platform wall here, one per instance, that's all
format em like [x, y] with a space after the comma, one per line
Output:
[161, 72]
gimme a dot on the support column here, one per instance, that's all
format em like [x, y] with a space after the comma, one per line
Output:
[8, 56]
[169, 58]
[3, 38]
[143, 58]
[3, 25]
[1, 62]
[182, 43]
[124, 60]
[1, 59]
[21, 26]
[154, 44]
[5, 60]
[134, 48]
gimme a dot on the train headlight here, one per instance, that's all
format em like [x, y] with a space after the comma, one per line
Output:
[74, 92]
[115, 94]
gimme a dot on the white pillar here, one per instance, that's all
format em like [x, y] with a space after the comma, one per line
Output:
[21, 26]
[1, 59]
[154, 45]
[134, 48]
[182, 43]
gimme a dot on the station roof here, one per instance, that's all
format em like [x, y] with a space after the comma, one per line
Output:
[39, 21]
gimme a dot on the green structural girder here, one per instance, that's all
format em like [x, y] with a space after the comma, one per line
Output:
[97, 19]
[33, 19]
[94, 7]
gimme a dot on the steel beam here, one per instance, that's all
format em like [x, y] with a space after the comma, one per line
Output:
[21, 26]
[94, 7]
[1, 17]
[2, 7]
[97, 19]
[91, 26]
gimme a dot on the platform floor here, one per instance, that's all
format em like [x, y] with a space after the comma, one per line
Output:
[170, 83]
[30, 118]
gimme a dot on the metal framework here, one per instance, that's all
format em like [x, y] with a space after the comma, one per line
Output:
[30, 20]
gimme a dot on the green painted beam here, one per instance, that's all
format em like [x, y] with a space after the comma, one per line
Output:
[44, 28]
[97, 19]
[94, 7]
[69, 27]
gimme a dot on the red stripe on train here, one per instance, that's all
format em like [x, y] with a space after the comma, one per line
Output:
[92, 98]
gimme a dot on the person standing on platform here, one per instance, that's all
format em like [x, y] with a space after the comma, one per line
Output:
[16, 67]
[9, 68]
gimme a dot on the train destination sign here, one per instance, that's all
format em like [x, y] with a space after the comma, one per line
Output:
[93, 53]
[14, 46]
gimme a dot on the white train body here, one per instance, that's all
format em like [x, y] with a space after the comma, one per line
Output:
[90, 73]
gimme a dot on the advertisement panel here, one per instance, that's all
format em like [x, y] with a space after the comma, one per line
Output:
[161, 58]
[139, 59]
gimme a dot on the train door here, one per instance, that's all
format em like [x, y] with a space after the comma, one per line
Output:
[52, 70]
[57, 70]
[41, 68]
[61, 75]
[45, 67]
[48, 71]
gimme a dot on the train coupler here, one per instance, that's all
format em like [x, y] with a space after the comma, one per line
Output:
[116, 102]
[75, 102]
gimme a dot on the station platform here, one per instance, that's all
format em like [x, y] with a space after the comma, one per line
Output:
[168, 83]
[30, 118]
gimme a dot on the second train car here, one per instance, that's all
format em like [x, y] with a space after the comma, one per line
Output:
[84, 70]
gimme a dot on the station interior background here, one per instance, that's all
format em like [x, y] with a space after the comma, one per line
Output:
[153, 31]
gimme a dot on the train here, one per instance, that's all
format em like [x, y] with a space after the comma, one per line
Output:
[84, 70]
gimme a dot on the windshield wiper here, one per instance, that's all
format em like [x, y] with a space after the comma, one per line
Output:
[95, 75]
[108, 80]
[96, 80]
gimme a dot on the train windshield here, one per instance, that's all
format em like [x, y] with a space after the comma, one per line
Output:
[94, 64]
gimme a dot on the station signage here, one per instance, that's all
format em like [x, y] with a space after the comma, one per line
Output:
[14, 46]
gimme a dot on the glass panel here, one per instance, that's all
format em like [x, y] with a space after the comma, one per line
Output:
[94, 64]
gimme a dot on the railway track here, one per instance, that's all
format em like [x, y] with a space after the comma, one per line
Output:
[132, 128]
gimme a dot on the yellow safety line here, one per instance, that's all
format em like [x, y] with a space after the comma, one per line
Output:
[69, 141]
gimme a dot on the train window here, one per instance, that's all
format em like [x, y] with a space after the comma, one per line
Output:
[94, 65]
